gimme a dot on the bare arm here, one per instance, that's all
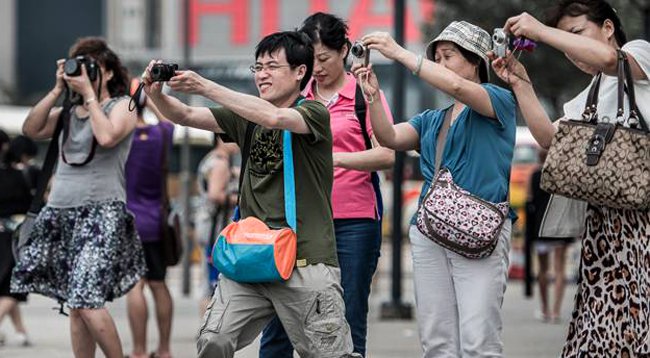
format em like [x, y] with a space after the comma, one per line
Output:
[111, 130]
[218, 180]
[400, 136]
[377, 158]
[513, 72]
[41, 120]
[577, 47]
[176, 111]
[465, 91]
[253, 108]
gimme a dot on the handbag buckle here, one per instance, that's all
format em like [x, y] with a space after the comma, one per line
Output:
[602, 136]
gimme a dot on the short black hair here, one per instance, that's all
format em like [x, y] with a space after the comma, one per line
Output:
[328, 29]
[596, 11]
[297, 47]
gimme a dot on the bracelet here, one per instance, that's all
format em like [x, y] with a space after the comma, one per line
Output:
[87, 102]
[418, 67]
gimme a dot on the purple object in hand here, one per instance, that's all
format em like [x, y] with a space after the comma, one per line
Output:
[525, 44]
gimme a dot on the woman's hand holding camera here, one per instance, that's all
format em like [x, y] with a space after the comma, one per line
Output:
[367, 80]
[59, 86]
[80, 84]
[384, 43]
[525, 25]
[509, 69]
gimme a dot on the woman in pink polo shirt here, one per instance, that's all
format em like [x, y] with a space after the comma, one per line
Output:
[356, 200]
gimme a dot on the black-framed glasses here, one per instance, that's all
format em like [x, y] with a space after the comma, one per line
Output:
[272, 67]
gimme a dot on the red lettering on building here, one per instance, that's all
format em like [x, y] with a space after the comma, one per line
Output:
[270, 17]
[236, 10]
[318, 5]
[362, 19]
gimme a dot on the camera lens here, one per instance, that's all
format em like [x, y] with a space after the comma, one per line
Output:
[72, 67]
[357, 50]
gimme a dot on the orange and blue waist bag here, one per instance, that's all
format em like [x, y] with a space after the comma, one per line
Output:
[248, 250]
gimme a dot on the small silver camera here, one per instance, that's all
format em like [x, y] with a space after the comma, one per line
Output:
[500, 42]
[360, 51]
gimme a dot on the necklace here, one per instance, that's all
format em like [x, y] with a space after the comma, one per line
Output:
[327, 101]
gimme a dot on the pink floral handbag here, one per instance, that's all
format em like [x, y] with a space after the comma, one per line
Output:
[459, 221]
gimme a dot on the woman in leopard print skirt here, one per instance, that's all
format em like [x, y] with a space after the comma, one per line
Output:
[611, 313]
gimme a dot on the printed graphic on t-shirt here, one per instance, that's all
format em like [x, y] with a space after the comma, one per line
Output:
[266, 152]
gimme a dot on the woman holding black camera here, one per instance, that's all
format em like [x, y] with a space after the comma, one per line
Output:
[83, 249]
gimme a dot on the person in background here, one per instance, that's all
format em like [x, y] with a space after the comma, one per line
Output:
[217, 181]
[15, 198]
[611, 315]
[84, 249]
[546, 247]
[355, 200]
[145, 172]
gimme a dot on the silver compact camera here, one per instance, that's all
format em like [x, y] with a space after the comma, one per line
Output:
[500, 42]
[360, 51]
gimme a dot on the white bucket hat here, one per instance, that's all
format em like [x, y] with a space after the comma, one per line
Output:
[470, 37]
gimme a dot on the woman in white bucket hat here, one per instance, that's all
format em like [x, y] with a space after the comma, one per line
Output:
[458, 299]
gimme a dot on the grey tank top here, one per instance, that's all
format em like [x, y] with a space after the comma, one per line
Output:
[102, 179]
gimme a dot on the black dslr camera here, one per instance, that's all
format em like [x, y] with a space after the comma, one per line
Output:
[72, 67]
[162, 72]
[360, 51]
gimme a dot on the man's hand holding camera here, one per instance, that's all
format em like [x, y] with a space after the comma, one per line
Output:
[180, 81]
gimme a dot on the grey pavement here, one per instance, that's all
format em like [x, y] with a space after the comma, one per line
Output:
[524, 336]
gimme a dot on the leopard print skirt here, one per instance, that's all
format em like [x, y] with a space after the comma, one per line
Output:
[611, 313]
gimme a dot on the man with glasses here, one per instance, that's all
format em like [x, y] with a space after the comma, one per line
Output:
[309, 303]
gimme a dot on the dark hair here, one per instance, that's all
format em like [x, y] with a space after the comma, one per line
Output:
[20, 146]
[330, 30]
[596, 10]
[97, 48]
[297, 47]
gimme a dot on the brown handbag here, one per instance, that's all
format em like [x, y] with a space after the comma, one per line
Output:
[604, 164]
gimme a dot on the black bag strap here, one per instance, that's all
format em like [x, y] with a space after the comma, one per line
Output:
[360, 109]
[591, 107]
[50, 159]
[66, 132]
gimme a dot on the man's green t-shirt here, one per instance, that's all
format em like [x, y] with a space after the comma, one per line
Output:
[262, 192]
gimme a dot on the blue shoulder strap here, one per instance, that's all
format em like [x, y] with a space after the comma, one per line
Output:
[289, 178]
[289, 181]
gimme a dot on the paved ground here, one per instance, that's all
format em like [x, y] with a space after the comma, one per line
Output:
[523, 335]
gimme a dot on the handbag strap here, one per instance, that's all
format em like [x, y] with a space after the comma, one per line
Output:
[591, 107]
[442, 137]
[245, 153]
[625, 75]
